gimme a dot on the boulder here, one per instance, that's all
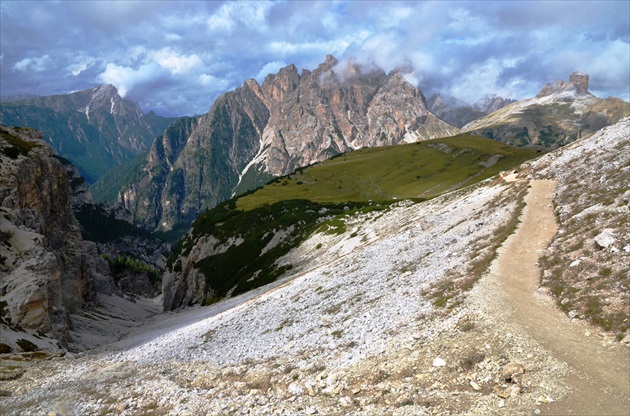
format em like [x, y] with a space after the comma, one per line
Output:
[605, 239]
[511, 372]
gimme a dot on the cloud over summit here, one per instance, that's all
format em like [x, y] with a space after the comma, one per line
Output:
[177, 57]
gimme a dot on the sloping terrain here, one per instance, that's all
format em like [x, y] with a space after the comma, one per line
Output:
[257, 132]
[235, 246]
[421, 170]
[379, 319]
[586, 266]
[50, 273]
[559, 114]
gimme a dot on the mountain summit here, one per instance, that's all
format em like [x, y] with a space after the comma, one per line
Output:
[96, 128]
[258, 132]
[560, 113]
[578, 84]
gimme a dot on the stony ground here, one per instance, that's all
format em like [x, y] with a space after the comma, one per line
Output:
[376, 321]
[590, 280]
[356, 332]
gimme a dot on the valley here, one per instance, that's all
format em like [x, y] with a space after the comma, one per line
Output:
[397, 315]
[447, 275]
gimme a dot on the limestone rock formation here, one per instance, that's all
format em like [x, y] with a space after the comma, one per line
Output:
[605, 239]
[257, 132]
[492, 103]
[578, 82]
[47, 269]
[49, 273]
[560, 113]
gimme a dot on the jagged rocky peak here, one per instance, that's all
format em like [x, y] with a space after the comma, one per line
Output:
[491, 103]
[96, 129]
[457, 112]
[578, 82]
[561, 113]
[257, 132]
[276, 86]
[104, 90]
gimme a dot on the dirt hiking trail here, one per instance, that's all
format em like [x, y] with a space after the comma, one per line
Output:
[600, 380]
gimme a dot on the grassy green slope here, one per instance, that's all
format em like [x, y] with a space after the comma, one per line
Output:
[319, 198]
[420, 170]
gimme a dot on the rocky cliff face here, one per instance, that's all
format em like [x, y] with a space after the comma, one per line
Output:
[95, 129]
[560, 113]
[260, 131]
[47, 270]
[492, 103]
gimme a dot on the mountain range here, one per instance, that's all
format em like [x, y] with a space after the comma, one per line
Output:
[459, 113]
[409, 307]
[258, 132]
[95, 129]
[345, 250]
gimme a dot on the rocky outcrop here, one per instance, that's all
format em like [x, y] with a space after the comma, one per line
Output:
[560, 113]
[578, 83]
[605, 239]
[453, 111]
[316, 115]
[257, 132]
[95, 129]
[47, 269]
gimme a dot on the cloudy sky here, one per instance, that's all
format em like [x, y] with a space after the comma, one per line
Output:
[177, 57]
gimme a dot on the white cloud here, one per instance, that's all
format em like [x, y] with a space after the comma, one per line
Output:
[249, 14]
[76, 68]
[125, 78]
[393, 17]
[33, 64]
[444, 43]
[211, 81]
[269, 68]
[174, 62]
[322, 48]
[221, 20]
[172, 37]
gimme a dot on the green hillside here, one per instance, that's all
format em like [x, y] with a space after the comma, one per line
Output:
[419, 170]
[320, 198]
[106, 188]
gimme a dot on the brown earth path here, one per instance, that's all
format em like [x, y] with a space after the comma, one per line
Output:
[600, 373]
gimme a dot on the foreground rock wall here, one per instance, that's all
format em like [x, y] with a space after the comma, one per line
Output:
[46, 269]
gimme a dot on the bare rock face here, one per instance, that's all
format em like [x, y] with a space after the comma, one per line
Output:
[578, 82]
[257, 132]
[605, 239]
[455, 112]
[45, 266]
[459, 113]
[492, 103]
[319, 114]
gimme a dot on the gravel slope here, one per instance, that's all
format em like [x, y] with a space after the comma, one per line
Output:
[359, 328]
